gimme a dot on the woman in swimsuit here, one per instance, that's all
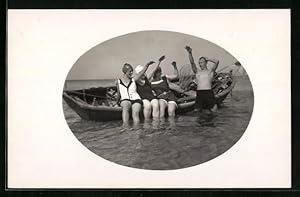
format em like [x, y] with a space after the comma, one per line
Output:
[150, 102]
[127, 94]
[160, 85]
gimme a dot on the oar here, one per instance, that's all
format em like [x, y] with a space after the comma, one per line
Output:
[237, 63]
[84, 94]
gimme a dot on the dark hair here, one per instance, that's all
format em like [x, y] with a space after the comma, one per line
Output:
[126, 66]
[203, 58]
[158, 70]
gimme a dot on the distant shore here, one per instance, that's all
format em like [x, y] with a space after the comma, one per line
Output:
[242, 84]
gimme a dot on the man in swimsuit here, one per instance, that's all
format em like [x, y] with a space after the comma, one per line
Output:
[205, 97]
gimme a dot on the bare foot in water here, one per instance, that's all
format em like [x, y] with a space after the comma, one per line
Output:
[136, 126]
[125, 127]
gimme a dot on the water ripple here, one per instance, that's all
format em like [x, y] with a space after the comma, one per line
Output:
[170, 143]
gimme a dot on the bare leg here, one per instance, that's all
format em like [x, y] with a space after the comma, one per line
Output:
[162, 107]
[155, 108]
[171, 121]
[136, 108]
[125, 110]
[155, 123]
[171, 109]
[206, 111]
[147, 109]
[214, 108]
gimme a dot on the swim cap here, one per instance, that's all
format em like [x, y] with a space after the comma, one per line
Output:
[138, 68]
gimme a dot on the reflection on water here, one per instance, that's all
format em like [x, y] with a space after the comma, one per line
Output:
[171, 143]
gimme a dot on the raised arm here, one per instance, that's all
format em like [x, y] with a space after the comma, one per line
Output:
[153, 71]
[174, 77]
[139, 75]
[189, 50]
[215, 62]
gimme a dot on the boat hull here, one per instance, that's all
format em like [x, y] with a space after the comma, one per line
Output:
[106, 113]
[81, 101]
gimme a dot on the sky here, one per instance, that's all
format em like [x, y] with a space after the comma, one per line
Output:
[105, 60]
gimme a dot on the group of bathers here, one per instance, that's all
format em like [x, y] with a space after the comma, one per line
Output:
[135, 92]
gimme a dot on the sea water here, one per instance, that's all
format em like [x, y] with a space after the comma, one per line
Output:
[170, 143]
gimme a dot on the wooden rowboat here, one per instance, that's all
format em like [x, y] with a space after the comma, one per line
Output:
[100, 103]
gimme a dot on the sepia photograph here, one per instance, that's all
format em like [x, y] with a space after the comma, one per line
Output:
[158, 100]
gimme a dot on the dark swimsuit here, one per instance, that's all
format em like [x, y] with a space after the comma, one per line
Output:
[145, 91]
[205, 99]
[163, 91]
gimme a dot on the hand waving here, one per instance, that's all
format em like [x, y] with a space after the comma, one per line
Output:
[189, 49]
[174, 64]
[161, 58]
[149, 63]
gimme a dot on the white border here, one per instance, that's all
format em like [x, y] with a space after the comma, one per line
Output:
[42, 47]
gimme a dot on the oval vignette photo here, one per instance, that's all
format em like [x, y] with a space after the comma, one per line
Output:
[158, 100]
